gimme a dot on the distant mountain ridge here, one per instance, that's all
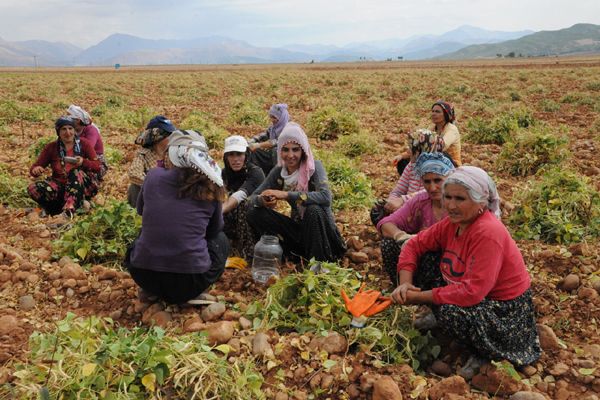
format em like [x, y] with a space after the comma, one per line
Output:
[579, 38]
[463, 42]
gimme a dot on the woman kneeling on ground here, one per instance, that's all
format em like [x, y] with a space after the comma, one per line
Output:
[154, 143]
[241, 178]
[181, 250]
[74, 168]
[263, 147]
[418, 213]
[479, 287]
[300, 180]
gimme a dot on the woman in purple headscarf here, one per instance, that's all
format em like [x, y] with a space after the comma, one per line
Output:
[300, 180]
[263, 147]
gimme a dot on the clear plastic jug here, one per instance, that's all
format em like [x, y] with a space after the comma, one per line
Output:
[267, 258]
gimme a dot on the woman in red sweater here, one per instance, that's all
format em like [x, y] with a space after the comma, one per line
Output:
[479, 289]
[74, 165]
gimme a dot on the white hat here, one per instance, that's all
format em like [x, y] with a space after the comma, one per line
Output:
[235, 143]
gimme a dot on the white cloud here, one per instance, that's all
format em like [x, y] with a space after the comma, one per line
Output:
[85, 22]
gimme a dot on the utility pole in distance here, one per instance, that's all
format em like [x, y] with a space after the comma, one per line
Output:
[35, 61]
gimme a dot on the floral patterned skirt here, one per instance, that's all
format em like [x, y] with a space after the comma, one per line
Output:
[495, 329]
[55, 197]
[239, 232]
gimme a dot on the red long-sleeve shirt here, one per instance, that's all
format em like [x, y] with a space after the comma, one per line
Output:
[484, 261]
[50, 156]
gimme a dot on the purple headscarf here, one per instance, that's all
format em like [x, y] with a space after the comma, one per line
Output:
[480, 183]
[293, 132]
[279, 111]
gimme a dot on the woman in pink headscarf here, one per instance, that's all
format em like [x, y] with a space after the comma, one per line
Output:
[300, 180]
[479, 290]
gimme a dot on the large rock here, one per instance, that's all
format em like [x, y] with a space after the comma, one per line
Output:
[72, 270]
[193, 324]
[261, 346]
[548, 339]
[441, 368]
[333, 343]
[385, 388]
[455, 385]
[220, 332]
[495, 381]
[8, 324]
[161, 318]
[527, 396]
[213, 312]
[26, 303]
[571, 282]
[359, 257]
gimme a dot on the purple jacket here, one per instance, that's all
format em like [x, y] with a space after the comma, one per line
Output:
[92, 135]
[174, 230]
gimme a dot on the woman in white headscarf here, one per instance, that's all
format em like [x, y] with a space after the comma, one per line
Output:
[263, 147]
[480, 289]
[181, 249]
[85, 128]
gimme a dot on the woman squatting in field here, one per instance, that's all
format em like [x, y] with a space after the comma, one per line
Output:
[181, 249]
[300, 180]
[479, 287]
[74, 167]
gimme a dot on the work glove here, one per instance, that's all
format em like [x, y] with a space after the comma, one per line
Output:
[366, 303]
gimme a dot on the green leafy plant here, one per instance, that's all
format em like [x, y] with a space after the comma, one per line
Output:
[562, 207]
[249, 113]
[92, 359]
[13, 189]
[351, 188]
[499, 129]
[357, 145]
[330, 123]
[201, 122]
[308, 302]
[530, 149]
[112, 155]
[101, 236]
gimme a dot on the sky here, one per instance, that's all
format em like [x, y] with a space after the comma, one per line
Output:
[280, 22]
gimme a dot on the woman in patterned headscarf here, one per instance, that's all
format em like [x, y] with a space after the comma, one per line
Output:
[300, 180]
[181, 249]
[86, 129]
[418, 213]
[479, 290]
[263, 147]
[443, 117]
[74, 168]
[153, 142]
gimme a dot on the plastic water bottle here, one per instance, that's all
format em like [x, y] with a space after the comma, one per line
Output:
[267, 257]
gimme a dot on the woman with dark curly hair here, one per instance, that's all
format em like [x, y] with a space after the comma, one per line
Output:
[181, 250]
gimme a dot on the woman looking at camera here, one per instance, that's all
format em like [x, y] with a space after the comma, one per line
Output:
[74, 165]
[300, 180]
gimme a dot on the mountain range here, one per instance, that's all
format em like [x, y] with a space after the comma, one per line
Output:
[463, 42]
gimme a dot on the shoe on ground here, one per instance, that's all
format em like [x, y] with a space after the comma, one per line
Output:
[425, 322]
[471, 367]
[146, 297]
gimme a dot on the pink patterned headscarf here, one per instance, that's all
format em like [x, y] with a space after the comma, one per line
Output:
[292, 132]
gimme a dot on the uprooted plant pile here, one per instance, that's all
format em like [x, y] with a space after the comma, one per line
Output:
[91, 358]
[311, 302]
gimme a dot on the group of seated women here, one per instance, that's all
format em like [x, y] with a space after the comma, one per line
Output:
[443, 243]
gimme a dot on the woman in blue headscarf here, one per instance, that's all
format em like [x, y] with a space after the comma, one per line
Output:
[263, 147]
[418, 213]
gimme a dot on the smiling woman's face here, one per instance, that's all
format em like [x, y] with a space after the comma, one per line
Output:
[291, 154]
[437, 115]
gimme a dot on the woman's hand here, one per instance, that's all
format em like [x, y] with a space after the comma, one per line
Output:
[270, 197]
[37, 171]
[400, 294]
[79, 161]
[393, 204]
[253, 146]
